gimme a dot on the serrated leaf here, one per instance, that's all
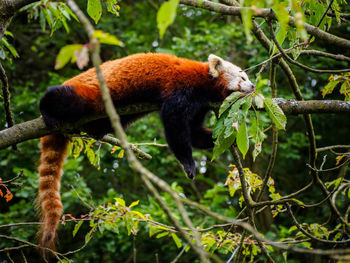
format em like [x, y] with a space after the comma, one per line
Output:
[176, 240]
[94, 9]
[229, 101]
[166, 15]
[242, 138]
[276, 114]
[66, 54]
[76, 227]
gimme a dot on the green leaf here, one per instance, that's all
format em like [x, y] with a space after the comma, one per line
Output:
[276, 114]
[107, 38]
[162, 234]
[219, 126]
[228, 102]
[66, 54]
[120, 201]
[242, 138]
[76, 227]
[134, 203]
[345, 90]
[48, 16]
[231, 121]
[121, 154]
[94, 9]
[247, 14]
[113, 7]
[176, 240]
[166, 15]
[281, 36]
[328, 89]
[42, 21]
[221, 144]
[246, 105]
[70, 12]
[259, 101]
[10, 47]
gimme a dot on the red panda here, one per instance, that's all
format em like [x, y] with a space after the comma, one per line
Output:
[180, 87]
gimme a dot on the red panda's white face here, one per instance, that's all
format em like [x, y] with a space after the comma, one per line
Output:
[236, 78]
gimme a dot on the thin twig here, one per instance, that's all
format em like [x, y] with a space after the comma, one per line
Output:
[301, 229]
[332, 147]
[290, 60]
[135, 164]
[321, 19]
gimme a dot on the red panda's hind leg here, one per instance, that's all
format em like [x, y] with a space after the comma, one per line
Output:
[61, 104]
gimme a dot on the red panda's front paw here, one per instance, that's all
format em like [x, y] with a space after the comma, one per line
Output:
[190, 170]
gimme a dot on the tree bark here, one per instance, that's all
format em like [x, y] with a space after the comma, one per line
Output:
[36, 128]
[7, 10]
[267, 13]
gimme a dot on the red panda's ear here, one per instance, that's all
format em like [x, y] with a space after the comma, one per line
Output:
[215, 63]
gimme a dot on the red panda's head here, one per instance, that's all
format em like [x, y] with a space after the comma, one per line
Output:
[235, 77]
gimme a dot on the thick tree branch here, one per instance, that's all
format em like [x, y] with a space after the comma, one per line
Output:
[7, 10]
[313, 106]
[267, 13]
[36, 128]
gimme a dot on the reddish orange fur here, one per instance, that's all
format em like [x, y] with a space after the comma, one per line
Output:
[125, 77]
[53, 153]
[165, 71]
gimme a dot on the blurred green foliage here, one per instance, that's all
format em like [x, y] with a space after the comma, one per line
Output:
[194, 34]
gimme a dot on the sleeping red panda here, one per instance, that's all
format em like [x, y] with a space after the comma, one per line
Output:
[180, 87]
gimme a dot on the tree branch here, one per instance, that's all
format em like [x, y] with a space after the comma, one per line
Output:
[7, 10]
[36, 128]
[266, 13]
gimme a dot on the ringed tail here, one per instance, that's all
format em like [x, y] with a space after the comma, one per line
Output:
[53, 155]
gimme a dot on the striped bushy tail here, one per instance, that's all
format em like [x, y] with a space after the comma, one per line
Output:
[53, 154]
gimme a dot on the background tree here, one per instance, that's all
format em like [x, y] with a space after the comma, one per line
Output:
[294, 187]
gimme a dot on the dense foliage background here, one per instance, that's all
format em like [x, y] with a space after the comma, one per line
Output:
[195, 34]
